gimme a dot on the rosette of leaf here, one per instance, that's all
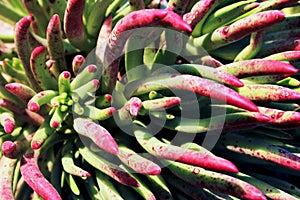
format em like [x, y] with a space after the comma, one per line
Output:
[128, 120]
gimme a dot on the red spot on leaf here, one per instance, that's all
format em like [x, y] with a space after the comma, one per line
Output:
[196, 171]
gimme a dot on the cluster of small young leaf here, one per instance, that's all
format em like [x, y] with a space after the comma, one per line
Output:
[129, 121]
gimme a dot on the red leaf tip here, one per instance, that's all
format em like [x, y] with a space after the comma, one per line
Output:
[96, 83]
[55, 124]
[92, 68]
[33, 106]
[108, 97]
[66, 74]
[9, 126]
[35, 145]
[8, 146]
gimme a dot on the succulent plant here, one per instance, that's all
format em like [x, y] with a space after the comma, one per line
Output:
[103, 99]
